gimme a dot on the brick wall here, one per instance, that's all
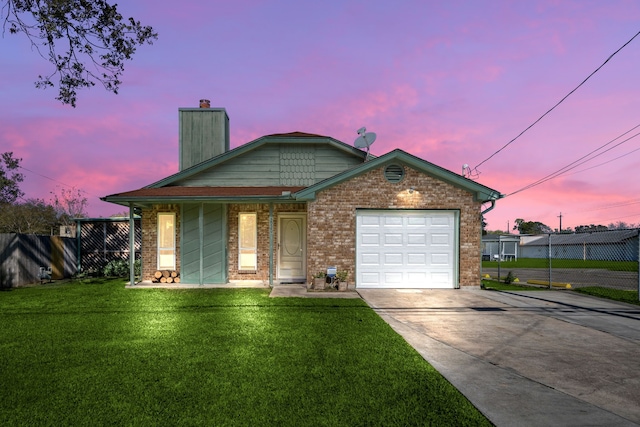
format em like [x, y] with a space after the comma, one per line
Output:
[262, 273]
[331, 236]
[331, 224]
[149, 218]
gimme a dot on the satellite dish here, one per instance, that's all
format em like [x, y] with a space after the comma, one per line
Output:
[365, 140]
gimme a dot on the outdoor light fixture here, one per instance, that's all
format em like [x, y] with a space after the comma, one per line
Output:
[411, 190]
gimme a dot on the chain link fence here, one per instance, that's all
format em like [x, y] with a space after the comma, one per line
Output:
[106, 239]
[606, 261]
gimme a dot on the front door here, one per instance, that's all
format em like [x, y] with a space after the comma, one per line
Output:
[292, 239]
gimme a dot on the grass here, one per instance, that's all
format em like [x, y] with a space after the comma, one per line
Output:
[630, 297]
[95, 353]
[564, 263]
[494, 285]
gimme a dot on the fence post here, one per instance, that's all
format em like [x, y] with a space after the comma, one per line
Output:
[132, 247]
[499, 251]
[549, 260]
[78, 246]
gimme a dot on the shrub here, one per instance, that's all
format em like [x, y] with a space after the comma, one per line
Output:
[120, 268]
[509, 279]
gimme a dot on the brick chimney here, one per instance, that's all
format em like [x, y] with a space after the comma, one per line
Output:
[204, 133]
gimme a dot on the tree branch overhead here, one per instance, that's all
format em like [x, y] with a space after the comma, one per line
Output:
[96, 41]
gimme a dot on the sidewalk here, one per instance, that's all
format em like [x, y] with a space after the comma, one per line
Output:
[300, 291]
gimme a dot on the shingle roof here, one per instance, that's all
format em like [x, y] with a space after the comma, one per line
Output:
[598, 237]
[481, 192]
[296, 134]
[172, 192]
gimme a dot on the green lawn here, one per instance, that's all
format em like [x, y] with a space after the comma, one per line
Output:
[630, 297]
[494, 285]
[98, 354]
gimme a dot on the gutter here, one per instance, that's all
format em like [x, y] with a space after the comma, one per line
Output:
[145, 201]
[493, 205]
[493, 199]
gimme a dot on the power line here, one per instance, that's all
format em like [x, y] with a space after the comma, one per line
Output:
[559, 102]
[52, 179]
[604, 163]
[582, 160]
[614, 206]
[46, 177]
[610, 220]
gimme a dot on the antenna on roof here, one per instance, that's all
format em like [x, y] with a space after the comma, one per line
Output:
[365, 140]
[467, 172]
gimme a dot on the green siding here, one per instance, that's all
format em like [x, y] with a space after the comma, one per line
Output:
[214, 259]
[190, 244]
[204, 134]
[203, 248]
[277, 165]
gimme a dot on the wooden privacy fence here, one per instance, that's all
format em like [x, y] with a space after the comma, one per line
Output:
[22, 255]
[96, 241]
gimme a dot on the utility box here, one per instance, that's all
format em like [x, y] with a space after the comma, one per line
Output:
[331, 272]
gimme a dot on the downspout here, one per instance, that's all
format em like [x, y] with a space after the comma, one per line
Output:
[493, 205]
[270, 244]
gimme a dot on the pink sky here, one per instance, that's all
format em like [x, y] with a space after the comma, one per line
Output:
[450, 82]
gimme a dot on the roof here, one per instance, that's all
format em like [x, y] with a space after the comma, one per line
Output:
[109, 219]
[296, 134]
[481, 193]
[182, 194]
[501, 238]
[597, 237]
[282, 138]
[166, 190]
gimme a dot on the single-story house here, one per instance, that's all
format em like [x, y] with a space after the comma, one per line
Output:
[500, 247]
[284, 207]
[612, 245]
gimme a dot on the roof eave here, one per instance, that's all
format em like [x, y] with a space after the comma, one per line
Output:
[252, 145]
[481, 193]
[148, 201]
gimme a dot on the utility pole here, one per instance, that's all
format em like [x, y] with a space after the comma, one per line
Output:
[560, 216]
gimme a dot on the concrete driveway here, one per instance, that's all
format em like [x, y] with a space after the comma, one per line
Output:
[537, 358]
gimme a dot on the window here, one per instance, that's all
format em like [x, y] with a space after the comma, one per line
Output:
[166, 241]
[247, 242]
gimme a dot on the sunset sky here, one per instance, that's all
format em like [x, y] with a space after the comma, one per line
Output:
[450, 82]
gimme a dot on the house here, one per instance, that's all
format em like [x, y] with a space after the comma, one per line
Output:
[283, 207]
[612, 245]
[500, 247]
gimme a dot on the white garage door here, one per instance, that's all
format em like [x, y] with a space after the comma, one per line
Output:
[406, 249]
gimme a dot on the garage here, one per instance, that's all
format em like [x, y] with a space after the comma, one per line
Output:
[406, 248]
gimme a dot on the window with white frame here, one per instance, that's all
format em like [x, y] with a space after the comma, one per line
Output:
[247, 241]
[166, 241]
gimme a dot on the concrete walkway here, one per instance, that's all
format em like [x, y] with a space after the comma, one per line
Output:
[537, 358]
